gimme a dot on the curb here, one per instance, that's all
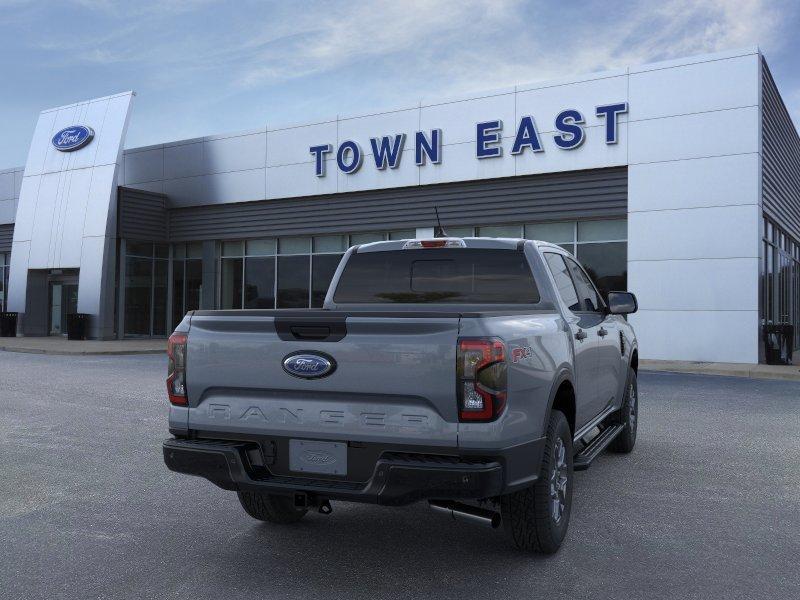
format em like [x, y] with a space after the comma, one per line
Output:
[743, 373]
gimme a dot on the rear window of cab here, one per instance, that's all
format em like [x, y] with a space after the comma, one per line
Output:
[437, 276]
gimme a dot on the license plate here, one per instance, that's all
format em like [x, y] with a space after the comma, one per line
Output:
[308, 456]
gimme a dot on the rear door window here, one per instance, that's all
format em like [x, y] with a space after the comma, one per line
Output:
[588, 296]
[566, 289]
[438, 276]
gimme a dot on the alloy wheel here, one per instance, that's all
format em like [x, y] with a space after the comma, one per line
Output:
[558, 481]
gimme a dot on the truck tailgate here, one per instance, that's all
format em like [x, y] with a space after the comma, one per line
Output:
[394, 378]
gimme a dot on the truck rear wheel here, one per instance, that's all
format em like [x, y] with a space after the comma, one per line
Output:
[271, 507]
[537, 518]
[628, 416]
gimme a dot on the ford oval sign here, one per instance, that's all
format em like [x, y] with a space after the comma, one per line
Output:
[309, 365]
[72, 138]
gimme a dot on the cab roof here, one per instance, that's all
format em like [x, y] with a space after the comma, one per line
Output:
[471, 242]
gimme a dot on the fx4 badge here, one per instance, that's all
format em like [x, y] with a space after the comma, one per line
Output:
[521, 353]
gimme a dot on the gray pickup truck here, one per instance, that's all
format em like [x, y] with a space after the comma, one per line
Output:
[475, 373]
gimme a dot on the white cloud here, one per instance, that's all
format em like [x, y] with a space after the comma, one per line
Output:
[475, 44]
[673, 29]
[457, 44]
[327, 40]
[128, 9]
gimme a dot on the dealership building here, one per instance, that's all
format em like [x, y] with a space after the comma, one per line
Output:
[679, 181]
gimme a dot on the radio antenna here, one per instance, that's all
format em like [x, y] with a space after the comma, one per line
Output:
[438, 231]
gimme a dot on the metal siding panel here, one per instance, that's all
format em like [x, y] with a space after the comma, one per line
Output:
[549, 197]
[142, 215]
[6, 237]
[780, 159]
[7, 185]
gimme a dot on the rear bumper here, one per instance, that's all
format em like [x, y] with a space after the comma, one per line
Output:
[399, 477]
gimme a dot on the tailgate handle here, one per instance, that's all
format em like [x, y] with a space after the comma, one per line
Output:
[314, 329]
[310, 332]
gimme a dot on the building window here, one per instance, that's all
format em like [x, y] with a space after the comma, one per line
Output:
[146, 281]
[259, 274]
[187, 279]
[562, 233]
[295, 272]
[780, 282]
[327, 253]
[366, 238]
[287, 272]
[459, 232]
[5, 262]
[601, 247]
[499, 231]
[247, 274]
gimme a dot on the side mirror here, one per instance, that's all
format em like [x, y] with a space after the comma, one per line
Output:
[622, 303]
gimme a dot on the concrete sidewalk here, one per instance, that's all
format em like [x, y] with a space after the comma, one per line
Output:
[60, 345]
[787, 372]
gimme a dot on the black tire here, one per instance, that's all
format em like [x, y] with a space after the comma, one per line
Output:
[529, 516]
[271, 508]
[628, 416]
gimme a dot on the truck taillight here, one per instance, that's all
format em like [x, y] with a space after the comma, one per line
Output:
[481, 378]
[176, 371]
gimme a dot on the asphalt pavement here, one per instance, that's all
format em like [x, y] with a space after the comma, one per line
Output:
[707, 506]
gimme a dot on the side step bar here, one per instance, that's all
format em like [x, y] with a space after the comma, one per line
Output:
[584, 458]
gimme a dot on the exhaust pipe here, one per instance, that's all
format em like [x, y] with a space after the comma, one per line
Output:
[465, 512]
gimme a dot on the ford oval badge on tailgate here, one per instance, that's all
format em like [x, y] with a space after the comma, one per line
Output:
[309, 365]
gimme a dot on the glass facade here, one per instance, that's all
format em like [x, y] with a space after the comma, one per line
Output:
[63, 301]
[295, 272]
[293, 289]
[146, 283]
[187, 279]
[780, 280]
[287, 272]
[5, 261]
[601, 246]
[247, 274]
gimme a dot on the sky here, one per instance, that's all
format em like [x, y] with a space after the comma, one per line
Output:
[203, 67]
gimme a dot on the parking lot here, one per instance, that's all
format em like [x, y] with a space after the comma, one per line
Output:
[707, 506]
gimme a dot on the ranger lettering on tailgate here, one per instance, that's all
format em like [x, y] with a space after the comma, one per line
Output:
[283, 415]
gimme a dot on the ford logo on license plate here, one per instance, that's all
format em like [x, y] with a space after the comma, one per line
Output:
[309, 365]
